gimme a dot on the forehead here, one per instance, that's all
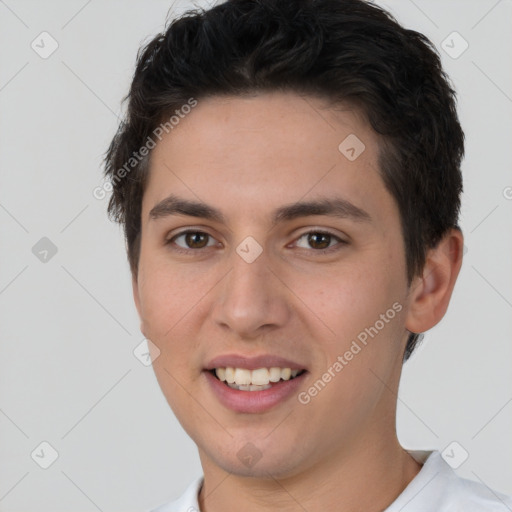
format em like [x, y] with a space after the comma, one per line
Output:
[248, 153]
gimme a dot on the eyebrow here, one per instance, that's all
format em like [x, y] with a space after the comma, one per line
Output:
[336, 207]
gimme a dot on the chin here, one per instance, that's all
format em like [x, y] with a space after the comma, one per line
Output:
[249, 461]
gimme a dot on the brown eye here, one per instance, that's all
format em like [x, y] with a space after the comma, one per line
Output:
[192, 240]
[196, 240]
[319, 240]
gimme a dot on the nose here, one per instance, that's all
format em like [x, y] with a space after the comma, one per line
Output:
[252, 300]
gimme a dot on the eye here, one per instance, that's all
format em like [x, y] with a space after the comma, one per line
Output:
[192, 240]
[319, 240]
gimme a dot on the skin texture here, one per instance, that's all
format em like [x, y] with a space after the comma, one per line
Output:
[246, 157]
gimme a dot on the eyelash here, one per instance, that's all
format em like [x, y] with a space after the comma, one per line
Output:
[327, 250]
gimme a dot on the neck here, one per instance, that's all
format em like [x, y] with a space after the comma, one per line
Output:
[366, 477]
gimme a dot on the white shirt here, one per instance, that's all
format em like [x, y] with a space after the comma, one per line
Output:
[436, 488]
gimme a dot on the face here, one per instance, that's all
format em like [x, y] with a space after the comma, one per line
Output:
[269, 241]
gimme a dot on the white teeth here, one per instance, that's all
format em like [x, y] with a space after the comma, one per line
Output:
[255, 380]
[229, 374]
[260, 376]
[259, 388]
[252, 387]
[242, 377]
[275, 374]
[286, 373]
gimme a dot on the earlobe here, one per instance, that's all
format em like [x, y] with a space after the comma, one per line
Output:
[430, 293]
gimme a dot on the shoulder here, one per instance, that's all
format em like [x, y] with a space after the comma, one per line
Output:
[473, 496]
[437, 487]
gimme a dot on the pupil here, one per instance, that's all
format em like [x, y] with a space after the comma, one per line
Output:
[319, 240]
[196, 240]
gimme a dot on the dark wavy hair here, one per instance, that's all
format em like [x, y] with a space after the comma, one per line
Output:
[349, 51]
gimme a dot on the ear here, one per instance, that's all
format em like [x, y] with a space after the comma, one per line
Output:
[430, 293]
[135, 290]
[136, 299]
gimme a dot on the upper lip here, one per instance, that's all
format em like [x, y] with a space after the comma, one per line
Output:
[252, 363]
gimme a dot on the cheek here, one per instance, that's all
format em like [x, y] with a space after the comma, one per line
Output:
[172, 309]
[169, 296]
[346, 298]
[360, 345]
[350, 301]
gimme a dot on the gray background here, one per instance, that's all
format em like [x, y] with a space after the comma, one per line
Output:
[68, 375]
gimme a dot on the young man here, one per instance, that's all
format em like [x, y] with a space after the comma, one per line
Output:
[288, 178]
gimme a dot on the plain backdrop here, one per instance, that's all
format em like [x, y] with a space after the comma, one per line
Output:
[68, 373]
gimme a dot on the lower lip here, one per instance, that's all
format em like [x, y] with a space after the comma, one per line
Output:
[254, 401]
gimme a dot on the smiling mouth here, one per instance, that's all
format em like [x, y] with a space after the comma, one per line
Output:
[254, 380]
